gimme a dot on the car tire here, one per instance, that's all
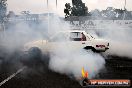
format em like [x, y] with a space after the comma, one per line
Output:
[35, 52]
[90, 48]
[32, 59]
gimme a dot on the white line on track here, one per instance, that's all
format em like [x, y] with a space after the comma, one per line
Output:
[13, 75]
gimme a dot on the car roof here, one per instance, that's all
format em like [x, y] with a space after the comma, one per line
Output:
[73, 31]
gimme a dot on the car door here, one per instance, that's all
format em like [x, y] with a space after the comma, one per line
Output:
[68, 40]
[78, 40]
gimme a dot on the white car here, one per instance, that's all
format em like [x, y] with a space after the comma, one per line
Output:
[75, 39]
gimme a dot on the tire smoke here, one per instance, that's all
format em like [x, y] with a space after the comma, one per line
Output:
[119, 36]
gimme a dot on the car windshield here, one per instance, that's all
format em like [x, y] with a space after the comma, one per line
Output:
[91, 36]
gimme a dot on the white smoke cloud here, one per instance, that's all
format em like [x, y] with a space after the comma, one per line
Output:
[19, 34]
[119, 36]
[63, 59]
[67, 61]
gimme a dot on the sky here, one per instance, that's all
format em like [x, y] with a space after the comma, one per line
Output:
[40, 6]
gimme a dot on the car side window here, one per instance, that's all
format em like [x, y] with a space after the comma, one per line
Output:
[77, 36]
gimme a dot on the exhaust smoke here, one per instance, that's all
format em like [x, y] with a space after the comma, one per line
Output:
[67, 60]
[119, 37]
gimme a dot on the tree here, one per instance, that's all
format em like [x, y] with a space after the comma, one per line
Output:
[109, 13]
[78, 9]
[119, 13]
[3, 9]
[96, 14]
[67, 10]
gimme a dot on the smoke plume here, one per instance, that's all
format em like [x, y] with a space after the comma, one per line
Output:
[63, 59]
[67, 60]
[119, 37]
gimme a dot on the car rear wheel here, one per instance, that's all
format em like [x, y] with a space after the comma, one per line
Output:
[32, 58]
[35, 52]
[90, 48]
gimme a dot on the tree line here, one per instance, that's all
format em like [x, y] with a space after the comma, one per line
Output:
[78, 8]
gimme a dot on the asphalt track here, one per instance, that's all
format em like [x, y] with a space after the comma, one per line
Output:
[15, 77]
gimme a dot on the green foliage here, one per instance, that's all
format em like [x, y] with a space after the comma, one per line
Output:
[78, 9]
